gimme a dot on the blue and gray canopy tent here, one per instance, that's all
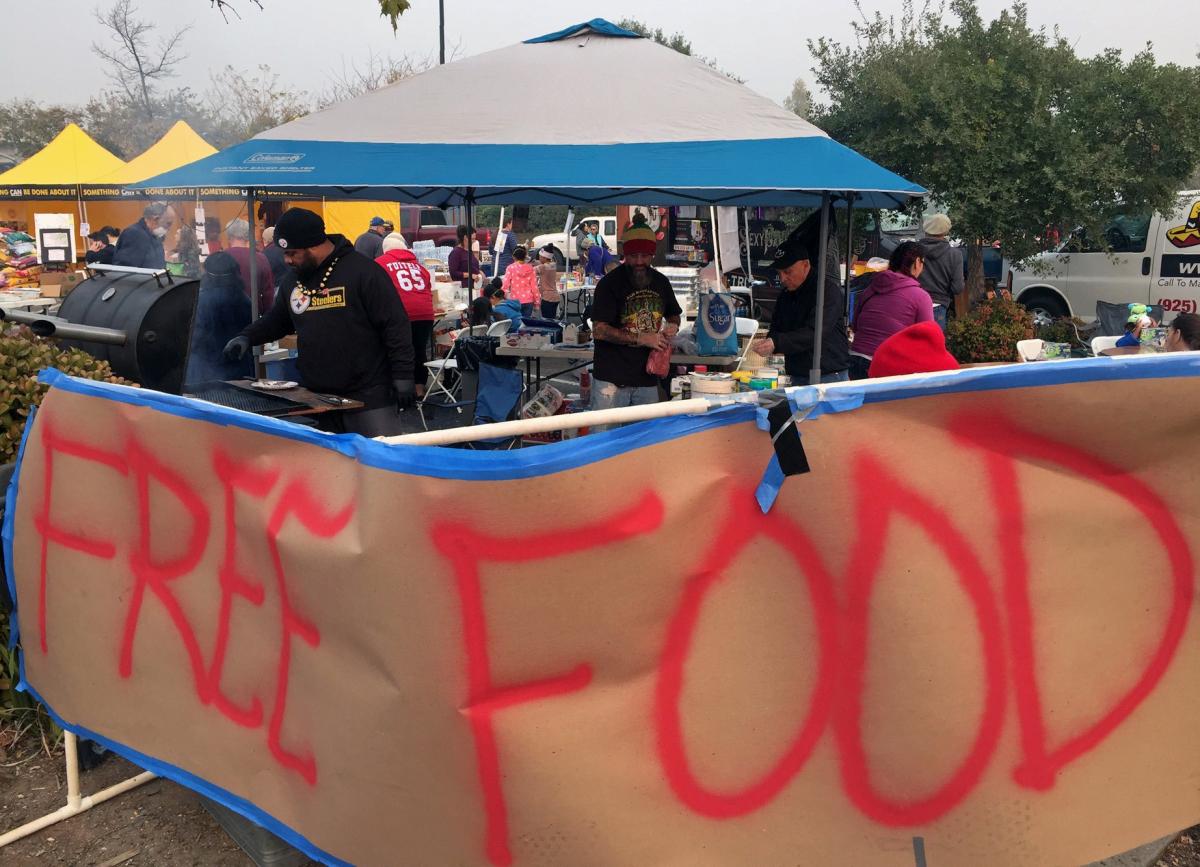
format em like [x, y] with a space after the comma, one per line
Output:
[679, 133]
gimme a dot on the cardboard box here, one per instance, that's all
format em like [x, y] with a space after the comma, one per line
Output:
[56, 284]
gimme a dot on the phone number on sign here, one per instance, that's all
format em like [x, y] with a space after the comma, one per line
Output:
[1177, 305]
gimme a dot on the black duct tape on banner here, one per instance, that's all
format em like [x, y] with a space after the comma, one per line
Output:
[786, 436]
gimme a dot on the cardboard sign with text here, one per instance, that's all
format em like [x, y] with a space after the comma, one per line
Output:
[972, 622]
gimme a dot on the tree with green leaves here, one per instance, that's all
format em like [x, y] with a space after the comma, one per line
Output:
[1006, 126]
[27, 126]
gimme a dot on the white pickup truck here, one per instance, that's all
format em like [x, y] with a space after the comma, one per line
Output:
[1151, 259]
[606, 227]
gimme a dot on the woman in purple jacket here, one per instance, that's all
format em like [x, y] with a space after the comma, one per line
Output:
[893, 301]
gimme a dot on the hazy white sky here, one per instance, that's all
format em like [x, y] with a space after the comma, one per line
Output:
[308, 41]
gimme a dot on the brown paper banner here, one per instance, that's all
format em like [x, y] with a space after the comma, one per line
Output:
[971, 623]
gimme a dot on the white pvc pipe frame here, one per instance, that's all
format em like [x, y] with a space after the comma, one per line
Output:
[76, 803]
[570, 421]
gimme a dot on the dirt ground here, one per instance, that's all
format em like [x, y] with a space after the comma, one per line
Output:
[162, 824]
[159, 824]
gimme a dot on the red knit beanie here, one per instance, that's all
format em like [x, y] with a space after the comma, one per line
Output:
[919, 348]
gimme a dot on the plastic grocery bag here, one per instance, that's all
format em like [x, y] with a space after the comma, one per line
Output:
[659, 362]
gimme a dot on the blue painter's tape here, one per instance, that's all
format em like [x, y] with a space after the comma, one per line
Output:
[185, 778]
[433, 461]
[840, 398]
[6, 534]
[768, 487]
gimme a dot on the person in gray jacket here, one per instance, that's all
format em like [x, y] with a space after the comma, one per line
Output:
[943, 275]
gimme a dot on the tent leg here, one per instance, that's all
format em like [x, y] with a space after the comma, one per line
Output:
[712, 224]
[259, 367]
[749, 260]
[850, 197]
[471, 222]
[814, 376]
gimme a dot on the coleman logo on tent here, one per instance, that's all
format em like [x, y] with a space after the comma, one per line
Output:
[272, 159]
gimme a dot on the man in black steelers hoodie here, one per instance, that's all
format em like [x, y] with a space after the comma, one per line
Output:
[353, 336]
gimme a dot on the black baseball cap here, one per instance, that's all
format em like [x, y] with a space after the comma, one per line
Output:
[789, 253]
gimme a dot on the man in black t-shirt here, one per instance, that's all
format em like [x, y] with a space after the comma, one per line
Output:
[628, 309]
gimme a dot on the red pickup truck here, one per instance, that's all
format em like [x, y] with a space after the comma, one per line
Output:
[437, 225]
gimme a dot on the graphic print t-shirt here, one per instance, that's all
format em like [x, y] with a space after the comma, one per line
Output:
[638, 311]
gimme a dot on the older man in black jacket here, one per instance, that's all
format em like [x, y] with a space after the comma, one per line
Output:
[141, 245]
[793, 324]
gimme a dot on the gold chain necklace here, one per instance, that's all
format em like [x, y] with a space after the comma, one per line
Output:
[321, 290]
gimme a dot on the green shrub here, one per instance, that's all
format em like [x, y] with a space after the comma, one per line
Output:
[990, 332]
[22, 355]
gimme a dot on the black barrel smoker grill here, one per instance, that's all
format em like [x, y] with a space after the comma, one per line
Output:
[137, 320]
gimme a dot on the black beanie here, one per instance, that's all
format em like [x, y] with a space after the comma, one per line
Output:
[298, 229]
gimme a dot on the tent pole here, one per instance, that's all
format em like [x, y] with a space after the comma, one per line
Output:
[471, 222]
[850, 197]
[712, 220]
[442, 32]
[814, 376]
[749, 259]
[83, 214]
[259, 367]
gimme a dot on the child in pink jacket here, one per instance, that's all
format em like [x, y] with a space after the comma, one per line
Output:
[521, 282]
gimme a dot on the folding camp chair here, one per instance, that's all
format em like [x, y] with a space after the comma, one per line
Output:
[443, 389]
[500, 390]
[1112, 317]
[450, 378]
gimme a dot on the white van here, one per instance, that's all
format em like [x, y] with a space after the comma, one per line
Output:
[605, 225]
[1153, 260]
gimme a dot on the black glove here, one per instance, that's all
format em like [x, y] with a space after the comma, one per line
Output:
[236, 349]
[406, 393]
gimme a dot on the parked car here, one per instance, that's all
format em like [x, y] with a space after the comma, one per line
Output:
[1150, 259]
[435, 224]
[559, 241]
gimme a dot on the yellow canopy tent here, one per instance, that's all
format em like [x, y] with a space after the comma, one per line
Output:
[70, 159]
[50, 181]
[179, 146]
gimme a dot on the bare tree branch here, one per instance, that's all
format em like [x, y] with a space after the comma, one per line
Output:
[389, 9]
[226, 6]
[374, 73]
[133, 65]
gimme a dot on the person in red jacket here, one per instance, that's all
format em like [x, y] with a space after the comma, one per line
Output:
[415, 287]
